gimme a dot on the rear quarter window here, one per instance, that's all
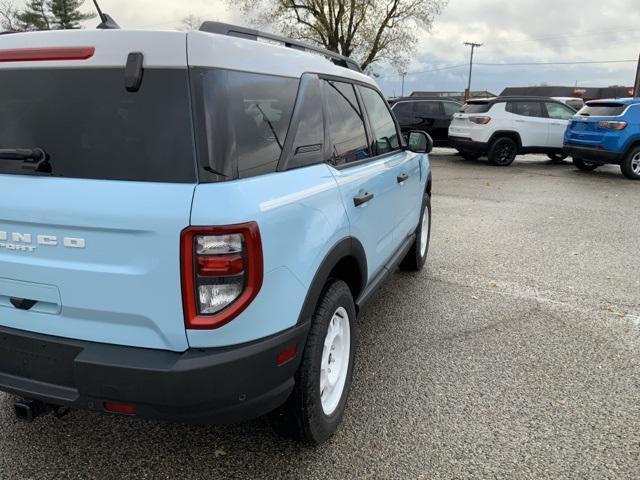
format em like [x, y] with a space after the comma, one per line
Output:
[242, 120]
[602, 110]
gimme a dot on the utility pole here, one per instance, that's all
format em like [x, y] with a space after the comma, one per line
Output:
[636, 85]
[404, 74]
[473, 46]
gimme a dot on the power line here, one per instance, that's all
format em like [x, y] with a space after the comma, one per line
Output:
[586, 62]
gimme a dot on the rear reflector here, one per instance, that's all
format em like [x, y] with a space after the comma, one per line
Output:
[46, 54]
[120, 408]
[285, 355]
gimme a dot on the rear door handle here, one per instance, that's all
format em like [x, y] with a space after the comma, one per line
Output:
[362, 199]
[402, 178]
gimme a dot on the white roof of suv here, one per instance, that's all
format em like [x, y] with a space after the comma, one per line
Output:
[166, 49]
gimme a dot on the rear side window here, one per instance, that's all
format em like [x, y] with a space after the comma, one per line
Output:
[575, 104]
[476, 107]
[602, 109]
[91, 127]
[386, 137]
[403, 112]
[427, 109]
[345, 123]
[526, 109]
[242, 121]
[307, 126]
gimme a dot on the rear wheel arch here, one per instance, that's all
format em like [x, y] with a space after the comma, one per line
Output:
[346, 261]
[506, 133]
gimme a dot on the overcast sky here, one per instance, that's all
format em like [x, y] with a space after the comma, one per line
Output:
[512, 31]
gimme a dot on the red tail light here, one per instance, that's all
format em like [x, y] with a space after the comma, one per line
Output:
[613, 125]
[46, 54]
[120, 408]
[222, 270]
[480, 120]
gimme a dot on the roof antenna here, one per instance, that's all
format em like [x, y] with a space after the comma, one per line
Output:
[107, 22]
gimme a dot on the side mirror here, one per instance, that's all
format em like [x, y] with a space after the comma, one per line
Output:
[419, 142]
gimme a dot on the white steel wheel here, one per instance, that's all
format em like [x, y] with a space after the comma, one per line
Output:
[334, 368]
[424, 232]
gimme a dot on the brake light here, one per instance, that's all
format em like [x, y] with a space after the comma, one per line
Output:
[480, 120]
[222, 270]
[613, 125]
[46, 54]
[120, 408]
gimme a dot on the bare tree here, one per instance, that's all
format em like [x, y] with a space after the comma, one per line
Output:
[366, 30]
[9, 21]
[191, 22]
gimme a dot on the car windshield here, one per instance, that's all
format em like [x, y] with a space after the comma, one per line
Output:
[602, 109]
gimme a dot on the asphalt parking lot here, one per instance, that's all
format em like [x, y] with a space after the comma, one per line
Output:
[514, 354]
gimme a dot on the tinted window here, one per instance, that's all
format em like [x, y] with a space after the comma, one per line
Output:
[575, 104]
[403, 112]
[526, 109]
[427, 109]
[345, 123]
[384, 128]
[91, 127]
[602, 109]
[476, 107]
[242, 120]
[559, 111]
[307, 147]
[450, 108]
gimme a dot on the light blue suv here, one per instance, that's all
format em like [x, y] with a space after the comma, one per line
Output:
[191, 222]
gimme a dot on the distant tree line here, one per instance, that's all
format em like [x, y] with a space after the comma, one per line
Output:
[42, 15]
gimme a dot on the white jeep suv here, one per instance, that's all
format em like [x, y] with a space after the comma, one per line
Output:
[504, 127]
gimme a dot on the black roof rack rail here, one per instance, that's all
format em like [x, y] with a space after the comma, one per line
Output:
[251, 34]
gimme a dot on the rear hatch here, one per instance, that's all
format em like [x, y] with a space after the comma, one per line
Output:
[90, 238]
[461, 126]
[586, 127]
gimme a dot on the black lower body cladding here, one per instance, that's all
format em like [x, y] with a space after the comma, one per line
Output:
[217, 385]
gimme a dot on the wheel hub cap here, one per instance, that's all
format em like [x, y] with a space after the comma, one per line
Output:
[635, 164]
[335, 361]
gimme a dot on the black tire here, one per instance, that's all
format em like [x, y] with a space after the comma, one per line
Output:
[630, 166]
[580, 164]
[303, 417]
[557, 157]
[503, 152]
[469, 155]
[415, 259]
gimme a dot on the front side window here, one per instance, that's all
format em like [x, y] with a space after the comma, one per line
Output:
[558, 111]
[386, 137]
[345, 123]
[242, 120]
[526, 109]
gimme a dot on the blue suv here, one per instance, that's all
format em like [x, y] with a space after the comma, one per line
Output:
[606, 131]
[191, 222]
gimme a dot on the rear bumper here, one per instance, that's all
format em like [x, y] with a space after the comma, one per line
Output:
[468, 145]
[218, 385]
[593, 154]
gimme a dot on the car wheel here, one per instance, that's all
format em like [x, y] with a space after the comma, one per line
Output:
[316, 406]
[469, 155]
[502, 152]
[557, 157]
[417, 254]
[584, 165]
[630, 166]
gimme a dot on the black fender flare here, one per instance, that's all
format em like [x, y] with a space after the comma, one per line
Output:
[505, 133]
[347, 247]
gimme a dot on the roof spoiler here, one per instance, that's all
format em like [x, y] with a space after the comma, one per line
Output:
[251, 34]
